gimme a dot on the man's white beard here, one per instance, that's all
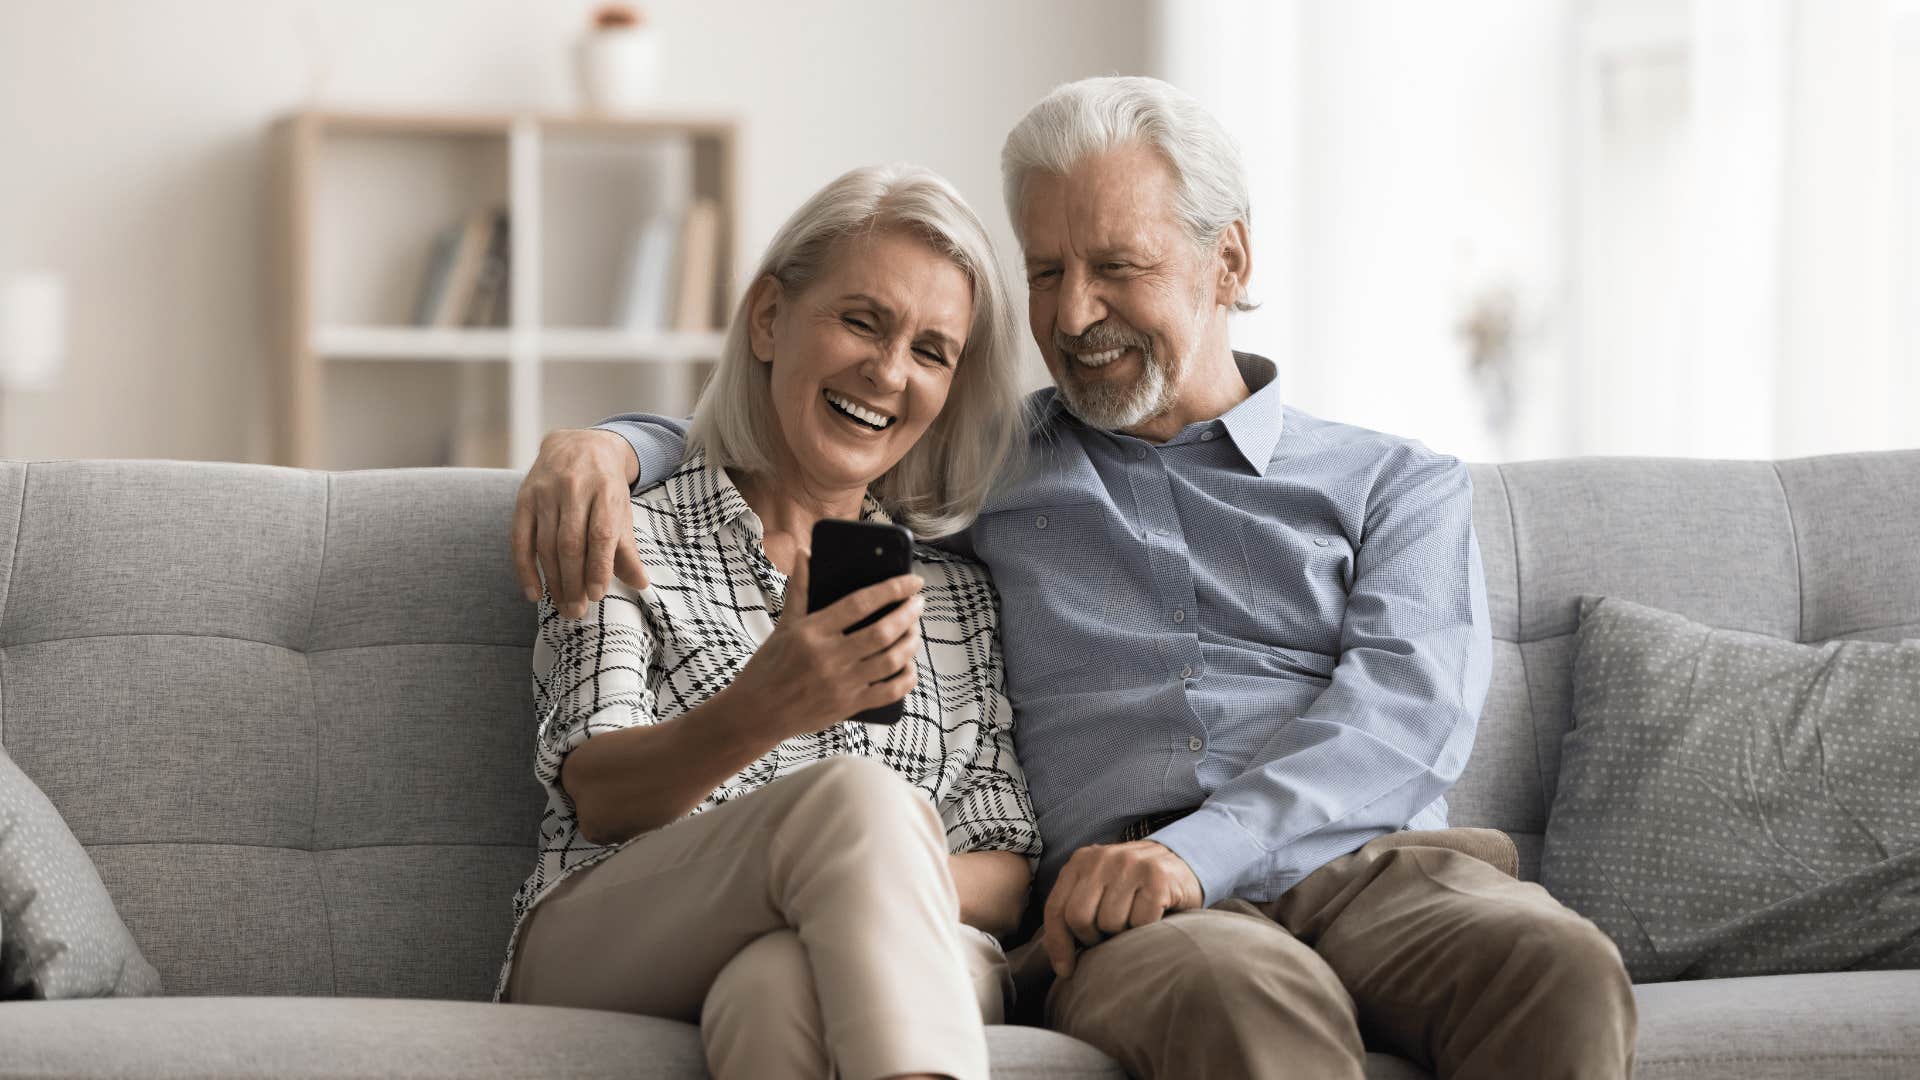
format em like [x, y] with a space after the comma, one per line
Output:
[1118, 407]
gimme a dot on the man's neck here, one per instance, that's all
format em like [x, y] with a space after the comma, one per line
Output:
[1207, 390]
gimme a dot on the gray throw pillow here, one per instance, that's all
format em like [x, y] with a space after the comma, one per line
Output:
[1733, 804]
[60, 936]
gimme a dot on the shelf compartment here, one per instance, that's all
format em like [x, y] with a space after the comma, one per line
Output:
[410, 343]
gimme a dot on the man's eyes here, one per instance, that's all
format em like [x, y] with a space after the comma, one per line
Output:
[857, 323]
[1037, 277]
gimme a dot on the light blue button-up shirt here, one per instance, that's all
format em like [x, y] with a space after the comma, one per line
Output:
[1274, 618]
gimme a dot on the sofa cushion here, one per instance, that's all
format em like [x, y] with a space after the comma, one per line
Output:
[371, 1037]
[60, 936]
[1849, 1026]
[1733, 804]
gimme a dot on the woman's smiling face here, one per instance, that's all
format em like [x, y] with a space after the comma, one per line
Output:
[863, 357]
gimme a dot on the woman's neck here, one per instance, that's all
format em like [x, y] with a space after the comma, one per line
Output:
[788, 506]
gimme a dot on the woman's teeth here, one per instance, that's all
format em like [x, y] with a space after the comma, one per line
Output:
[878, 421]
[1099, 359]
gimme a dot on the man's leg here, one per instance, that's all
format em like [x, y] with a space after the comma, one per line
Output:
[1461, 968]
[1217, 993]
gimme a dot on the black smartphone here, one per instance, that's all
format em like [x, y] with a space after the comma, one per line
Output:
[849, 556]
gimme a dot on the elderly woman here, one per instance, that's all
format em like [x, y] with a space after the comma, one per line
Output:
[721, 842]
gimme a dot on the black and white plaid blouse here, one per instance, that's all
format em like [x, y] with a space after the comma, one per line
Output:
[713, 598]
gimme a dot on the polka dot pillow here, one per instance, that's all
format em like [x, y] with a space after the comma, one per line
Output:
[60, 936]
[1733, 804]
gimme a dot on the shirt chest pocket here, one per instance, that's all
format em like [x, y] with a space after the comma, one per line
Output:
[1061, 580]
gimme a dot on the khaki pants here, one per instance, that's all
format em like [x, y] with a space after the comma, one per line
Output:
[1408, 945]
[809, 927]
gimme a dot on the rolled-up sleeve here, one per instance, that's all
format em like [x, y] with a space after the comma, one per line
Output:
[1393, 728]
[589, 678]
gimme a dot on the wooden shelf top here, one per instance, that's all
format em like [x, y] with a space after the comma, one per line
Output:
[371, 122]
[552, 344]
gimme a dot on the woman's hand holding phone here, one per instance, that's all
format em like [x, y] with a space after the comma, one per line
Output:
[810, 674]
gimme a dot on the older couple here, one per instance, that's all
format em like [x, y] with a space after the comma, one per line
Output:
[1245, 651]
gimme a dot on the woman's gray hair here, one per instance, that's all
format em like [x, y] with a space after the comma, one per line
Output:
[1094, 116]
[938, 486]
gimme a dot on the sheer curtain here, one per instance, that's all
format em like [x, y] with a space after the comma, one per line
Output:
[1526, 228]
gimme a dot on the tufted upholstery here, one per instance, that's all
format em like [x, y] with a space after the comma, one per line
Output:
[1806, 550]
[287, 712]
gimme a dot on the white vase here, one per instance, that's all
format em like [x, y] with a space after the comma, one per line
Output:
[619, 69]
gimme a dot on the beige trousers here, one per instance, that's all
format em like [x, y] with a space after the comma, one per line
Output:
[809, 927]
[1409, 945]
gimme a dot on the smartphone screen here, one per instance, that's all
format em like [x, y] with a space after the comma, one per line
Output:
[849, 556]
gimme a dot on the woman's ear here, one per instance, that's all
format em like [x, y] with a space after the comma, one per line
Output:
[1235, 261]
[764, 300]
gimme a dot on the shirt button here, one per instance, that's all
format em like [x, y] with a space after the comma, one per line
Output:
[1194, 744]
[1141, 453]
[1040, 522]
[1206, 436]
[1179, 615]
[1321, 541]
[1187, 672]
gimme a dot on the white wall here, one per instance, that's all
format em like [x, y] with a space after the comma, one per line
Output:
[131, 151]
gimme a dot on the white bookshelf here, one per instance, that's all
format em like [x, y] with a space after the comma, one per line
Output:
[360, 197]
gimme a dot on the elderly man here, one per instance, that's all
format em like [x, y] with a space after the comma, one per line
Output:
[1247, 648]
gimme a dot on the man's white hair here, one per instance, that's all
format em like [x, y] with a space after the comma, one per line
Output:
[938, 486]
[1094, 116]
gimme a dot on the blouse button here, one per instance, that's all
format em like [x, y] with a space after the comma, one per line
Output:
[1194, 744]
[1040, 522]
[1321, 541]
[1179, 615]
[1187, 672]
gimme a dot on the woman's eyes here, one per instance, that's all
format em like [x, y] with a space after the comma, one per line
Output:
[857, 323]
[933, 355]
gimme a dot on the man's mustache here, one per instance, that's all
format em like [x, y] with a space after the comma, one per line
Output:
[1100, 337]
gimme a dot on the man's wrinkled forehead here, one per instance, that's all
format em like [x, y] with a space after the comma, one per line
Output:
[1123, 197]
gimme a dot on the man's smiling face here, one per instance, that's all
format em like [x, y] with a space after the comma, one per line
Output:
[1118, 296]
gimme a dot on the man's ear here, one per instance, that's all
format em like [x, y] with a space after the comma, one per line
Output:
[1234, 258]
[764, 300]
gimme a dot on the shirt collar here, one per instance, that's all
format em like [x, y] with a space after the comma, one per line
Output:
[703, 497]
[1254, 425]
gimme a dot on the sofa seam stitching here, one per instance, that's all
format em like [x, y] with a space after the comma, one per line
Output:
[313, 818]
[309, 850]
[1520, 631]
[1799, 567]
[261, 641]
[13, 569]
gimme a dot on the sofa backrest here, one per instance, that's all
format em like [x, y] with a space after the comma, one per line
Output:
[288, 715]
[1807, 550]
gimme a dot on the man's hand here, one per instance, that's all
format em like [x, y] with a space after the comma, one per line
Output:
[573, 520]
[1107, 888]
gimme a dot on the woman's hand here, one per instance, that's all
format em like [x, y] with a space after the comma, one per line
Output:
[811, 674]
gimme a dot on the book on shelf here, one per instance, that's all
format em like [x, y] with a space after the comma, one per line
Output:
[454, 268]
[699, 266]
[491, 295]
[644, 297]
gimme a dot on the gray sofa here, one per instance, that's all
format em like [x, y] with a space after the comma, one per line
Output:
[287, 714]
